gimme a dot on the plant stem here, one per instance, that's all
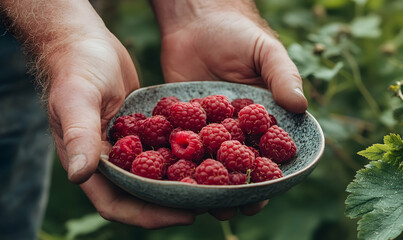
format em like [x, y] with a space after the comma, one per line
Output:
[399, 92]
[226, 228]
[358, 81]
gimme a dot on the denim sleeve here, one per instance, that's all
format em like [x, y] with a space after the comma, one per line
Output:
[25, 145]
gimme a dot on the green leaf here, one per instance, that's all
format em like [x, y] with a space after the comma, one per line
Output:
[309, 65]
[395, 155]
[328, 74]
[374, 152]
[303, 57]
[376, 195]
[87, 224]
[366, 27]
[299, 18]
[391, 151]
[393, 141]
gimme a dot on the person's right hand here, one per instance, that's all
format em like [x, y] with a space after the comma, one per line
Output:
[88, 73]
[90, 76]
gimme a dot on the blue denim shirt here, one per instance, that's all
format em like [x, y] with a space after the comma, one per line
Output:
[25, 146]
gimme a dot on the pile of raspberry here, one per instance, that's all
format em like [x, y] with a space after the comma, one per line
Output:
[210, 141]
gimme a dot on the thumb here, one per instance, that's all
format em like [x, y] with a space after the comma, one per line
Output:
[75, 111]
[282, 76]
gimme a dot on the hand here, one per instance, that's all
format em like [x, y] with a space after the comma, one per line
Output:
[227, 40]
[229, 46]
[91, 79]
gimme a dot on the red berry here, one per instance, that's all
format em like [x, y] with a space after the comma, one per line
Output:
[155, 131]
[255, 151]
[196, 100]
[212, 136]
[237, 178]
[217, 108]
[163, 105]
[189, 180]
[187, 145]
[149, 164]
[264, 170]
[125, 151]
[277, 145]
[254, 119]
[273, 120]
[168, 156]
[173, 132]
[181, 169]
[138, 116]
[211, 172]
[187, 116]
[240, 103]
[125, 126]
[233, 127]
[235, 156]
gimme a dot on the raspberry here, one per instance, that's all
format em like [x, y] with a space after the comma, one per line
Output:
[233, 127]
[196, 100]
[155, 131]
[237, 178]
[181, 169]
[211, 172]
[138, 116]
[189, 180]
[277, 145]
[265, 169]
[255, 151]
[254, 119]
[163, 105]
[125, 151]
[187, 116]
[212, 136]
[240, 103]
[125, 126]
[235, 156]
[187, 145]
[168, 156]
[149, 164]
[217, 108]
[173, 132]
[273, 120]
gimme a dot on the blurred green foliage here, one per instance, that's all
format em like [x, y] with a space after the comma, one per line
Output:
[348, 52]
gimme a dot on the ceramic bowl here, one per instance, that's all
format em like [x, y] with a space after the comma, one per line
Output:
[303, 128]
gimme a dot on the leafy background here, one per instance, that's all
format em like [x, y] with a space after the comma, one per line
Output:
[348, 52]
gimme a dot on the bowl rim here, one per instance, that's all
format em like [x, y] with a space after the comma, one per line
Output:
[310, 166]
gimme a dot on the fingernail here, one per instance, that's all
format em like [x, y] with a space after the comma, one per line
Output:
[77, 163]
[299, 91]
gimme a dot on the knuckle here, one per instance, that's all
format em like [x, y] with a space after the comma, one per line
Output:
[73, 133]
[106, 214]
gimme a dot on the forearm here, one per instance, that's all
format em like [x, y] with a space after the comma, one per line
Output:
[174, 14]
[43, 25]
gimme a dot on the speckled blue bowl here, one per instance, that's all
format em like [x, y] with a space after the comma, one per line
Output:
[303, 128]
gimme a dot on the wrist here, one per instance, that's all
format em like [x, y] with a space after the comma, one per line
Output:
[175, 14]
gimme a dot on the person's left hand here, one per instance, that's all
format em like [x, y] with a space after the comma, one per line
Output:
[231, 46]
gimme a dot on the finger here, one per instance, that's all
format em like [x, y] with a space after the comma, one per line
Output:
[75, 107]
[282, 76]
[115, 205]
[223, 214]
[252, 209]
